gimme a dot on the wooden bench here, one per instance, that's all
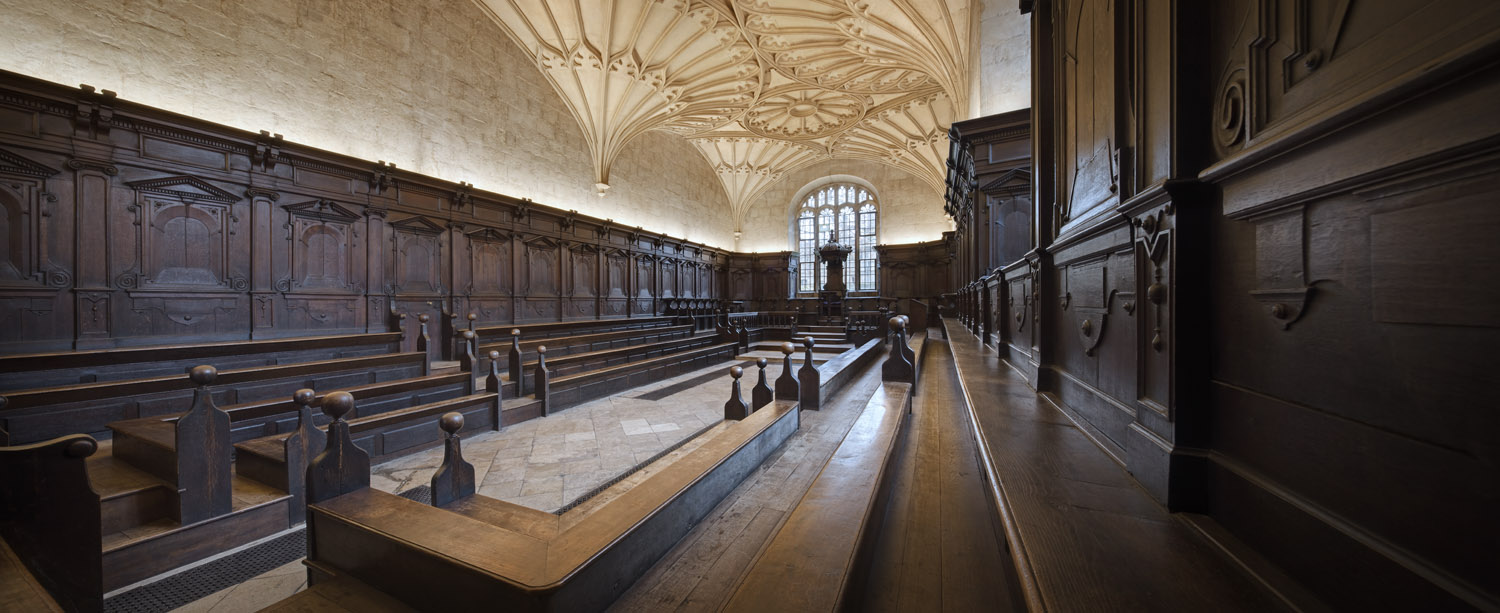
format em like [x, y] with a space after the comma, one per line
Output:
[479, 553]
[488, 334]
[600, 382]
[817, 559]
[34, 370]
[279, 415]
[1069, 510]
[558, 347]
[35, 414]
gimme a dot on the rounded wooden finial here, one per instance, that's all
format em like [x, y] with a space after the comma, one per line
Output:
[338, 404]
[468, 335]
[423, 318]
[515, 331]
[736, 372]
[787, 348]
[203, 375]
[494, 356]
[761, 362]
[81, 448]
[541, 350]
[473, 317]
[401, 316]
[807, 341]
[451, 422]
[895, 324]
[304, 396]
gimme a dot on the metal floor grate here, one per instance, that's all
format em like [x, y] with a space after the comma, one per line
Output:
[199, 582]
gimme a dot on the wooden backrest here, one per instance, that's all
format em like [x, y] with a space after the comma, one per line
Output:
[33, 370]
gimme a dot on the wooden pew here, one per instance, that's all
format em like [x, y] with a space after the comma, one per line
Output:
[573, 389]
[61, 368]
[583, 343]
[818, 559]
[50, 517]
[501, 333]
[475, 552]
[35, 414]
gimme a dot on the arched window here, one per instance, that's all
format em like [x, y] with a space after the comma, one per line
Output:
[849, 209]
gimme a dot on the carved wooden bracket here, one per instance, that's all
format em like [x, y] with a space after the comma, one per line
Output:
[267, 151]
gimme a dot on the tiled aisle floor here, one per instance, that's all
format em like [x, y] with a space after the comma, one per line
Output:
[543, 463]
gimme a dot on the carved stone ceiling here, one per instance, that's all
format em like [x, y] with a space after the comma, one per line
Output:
[761, 87]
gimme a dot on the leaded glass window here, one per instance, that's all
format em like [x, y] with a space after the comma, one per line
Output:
[849, 209]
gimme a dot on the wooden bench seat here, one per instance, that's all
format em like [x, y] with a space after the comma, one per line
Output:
[472, 554]
[816, 560]
[1069, 510]
[570, 328]
[569, 390]
[575, 363]
[251, 420]
[36, 414]
[59, 368]
[581, 343]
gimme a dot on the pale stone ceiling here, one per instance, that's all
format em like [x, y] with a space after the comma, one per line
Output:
[760, 87]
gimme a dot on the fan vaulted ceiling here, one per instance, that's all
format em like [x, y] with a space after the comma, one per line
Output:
[759, 86]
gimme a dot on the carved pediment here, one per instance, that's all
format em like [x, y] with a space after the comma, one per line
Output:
[322, 210]
[418, 224]
[15, 164]
[541, 242]
[1016, 179]
[489, 235]
[184, 187]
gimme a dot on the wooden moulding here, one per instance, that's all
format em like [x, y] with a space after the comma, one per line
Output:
[530, 560]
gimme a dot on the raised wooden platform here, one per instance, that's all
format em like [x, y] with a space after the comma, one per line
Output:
[1083, 534]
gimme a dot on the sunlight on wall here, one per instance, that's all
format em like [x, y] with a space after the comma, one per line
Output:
[910, 211]
[434, 87]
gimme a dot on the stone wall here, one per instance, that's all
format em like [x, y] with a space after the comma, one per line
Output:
[910, 211]
[1001, 57]
[435, 87]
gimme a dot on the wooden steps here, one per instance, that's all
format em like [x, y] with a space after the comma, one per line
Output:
[141, 537]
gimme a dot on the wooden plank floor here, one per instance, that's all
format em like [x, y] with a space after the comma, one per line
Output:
[1088, 536]
[940, 548]
[699, 573]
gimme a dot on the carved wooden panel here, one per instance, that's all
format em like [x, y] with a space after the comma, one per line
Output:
[489, 263]
[325, 248]
[417, 249]
[540, 268]
[582, 272]
[617, 265]
[183, 241]
[1086, 152]
[669, 278]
